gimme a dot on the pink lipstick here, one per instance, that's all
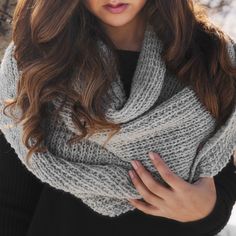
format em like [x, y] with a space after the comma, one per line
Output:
[116, 9]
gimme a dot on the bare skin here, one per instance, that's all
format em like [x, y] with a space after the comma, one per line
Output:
[181, 201]
[126, 29]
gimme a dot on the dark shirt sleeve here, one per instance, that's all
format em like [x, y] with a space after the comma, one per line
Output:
[19, 192]
[225, 182]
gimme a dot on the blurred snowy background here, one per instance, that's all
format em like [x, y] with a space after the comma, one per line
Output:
[223, 13]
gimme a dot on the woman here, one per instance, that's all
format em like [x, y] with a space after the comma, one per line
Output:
[193, 50]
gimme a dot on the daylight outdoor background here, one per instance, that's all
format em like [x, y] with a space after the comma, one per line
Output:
[222, 12]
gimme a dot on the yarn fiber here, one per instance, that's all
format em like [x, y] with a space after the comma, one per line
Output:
[160, 115]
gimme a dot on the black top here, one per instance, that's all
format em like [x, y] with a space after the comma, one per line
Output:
[29, 207]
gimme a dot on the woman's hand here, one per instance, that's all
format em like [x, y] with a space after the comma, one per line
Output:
[180, 201]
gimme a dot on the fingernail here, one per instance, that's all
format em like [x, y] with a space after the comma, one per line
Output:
[131, 173]
[134, 164]
[152, 155]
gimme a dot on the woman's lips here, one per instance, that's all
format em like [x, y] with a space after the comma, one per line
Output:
[117, 8]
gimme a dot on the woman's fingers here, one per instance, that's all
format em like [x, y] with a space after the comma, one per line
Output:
[182, 202]
[145, 207]
[148, 196]
[151, 184]
[176, 182]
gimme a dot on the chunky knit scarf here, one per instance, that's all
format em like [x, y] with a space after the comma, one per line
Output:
[160, 115]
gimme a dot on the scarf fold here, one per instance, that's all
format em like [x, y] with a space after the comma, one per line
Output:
[160, 115]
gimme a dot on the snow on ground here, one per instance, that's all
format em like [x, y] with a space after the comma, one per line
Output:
[230, 228]
[227, 19]
[232, 220]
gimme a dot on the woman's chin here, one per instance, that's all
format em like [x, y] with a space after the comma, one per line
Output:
[115, 22]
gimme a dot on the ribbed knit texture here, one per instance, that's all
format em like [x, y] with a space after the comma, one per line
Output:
[160, 115]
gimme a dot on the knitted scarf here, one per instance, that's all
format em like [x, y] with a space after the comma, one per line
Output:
[159, 115]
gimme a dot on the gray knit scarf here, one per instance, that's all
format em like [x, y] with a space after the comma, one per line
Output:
[160, 115]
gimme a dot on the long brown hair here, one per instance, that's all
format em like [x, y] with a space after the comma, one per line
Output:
[55, 43]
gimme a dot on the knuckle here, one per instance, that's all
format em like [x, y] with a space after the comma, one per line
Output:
[145, 175]
[152, 186]
[141, 172]
[168, 175]
[136, 182]
[149, 212]
[157, 162]
[146, 196]
[146, 211]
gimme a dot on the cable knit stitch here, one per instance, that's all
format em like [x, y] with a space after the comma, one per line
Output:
[160, 115]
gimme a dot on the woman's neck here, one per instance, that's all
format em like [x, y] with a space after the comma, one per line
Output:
[129, 36]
